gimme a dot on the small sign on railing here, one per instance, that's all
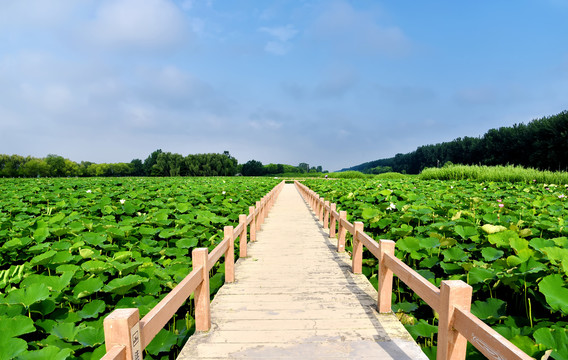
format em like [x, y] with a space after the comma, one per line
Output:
[135, 342]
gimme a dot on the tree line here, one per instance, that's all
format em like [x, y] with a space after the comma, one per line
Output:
[541, 144]
[158, 163]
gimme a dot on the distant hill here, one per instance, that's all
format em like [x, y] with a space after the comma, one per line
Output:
[540, 144]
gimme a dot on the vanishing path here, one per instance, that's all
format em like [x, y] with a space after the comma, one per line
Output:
[296, 298]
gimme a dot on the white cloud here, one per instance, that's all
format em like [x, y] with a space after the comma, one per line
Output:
[277, 48]
[148, 24]
[347, 29]
[280, 45]
[281, 33]
[35, 13]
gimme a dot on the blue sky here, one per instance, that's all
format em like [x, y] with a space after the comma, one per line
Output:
[331, 83]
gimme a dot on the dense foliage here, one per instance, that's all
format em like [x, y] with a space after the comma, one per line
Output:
[540, 144]
[158, 163]
[73, 250]
[508, 241]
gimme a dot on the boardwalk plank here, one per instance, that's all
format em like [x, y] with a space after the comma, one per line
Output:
[296, 298]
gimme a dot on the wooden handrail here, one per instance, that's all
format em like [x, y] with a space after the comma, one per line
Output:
[425, 289]
[456, 325]
[160, 314]
[126, 336]
[484, 338]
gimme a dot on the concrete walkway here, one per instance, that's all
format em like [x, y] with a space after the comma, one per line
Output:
[296, 298]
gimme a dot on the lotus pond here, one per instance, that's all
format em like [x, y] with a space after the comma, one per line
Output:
[507, 240]
[73, 250]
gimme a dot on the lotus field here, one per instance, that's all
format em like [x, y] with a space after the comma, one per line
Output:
[73, 250]
[507, 240]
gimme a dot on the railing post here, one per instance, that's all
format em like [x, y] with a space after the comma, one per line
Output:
[320, 208]
[384, 300]
[243, 238]
[257, 215]
[252, 225]
[341, 232]
[122, 327]
[332, 220]
[230, 256]
[357, 256]
[326, 215]
[199, 257]
[451, 344]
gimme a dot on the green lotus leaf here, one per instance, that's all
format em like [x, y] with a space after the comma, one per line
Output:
[369, 213]
[54, 283]
[162, 342]
[90, 336]
[16, 326]
[454, 254]
[94, 239]
[56, 218]
[491, 309]
[95, 266]
[13, 244]
[27, 296]
[92, 309]
[422, 328]
[48, 352]
[40, 234]
[122, 256]
[404, 306]
[503, 238]
[182, 207]
[492, 229]
[465, 232]
[122, 285]
[491, 254]
[408, 244]
[86, 253]
[62, 257]
[87, 287]
[478, 275]
[44, 307]
[167, 233]
[11, 347]
[44, 258]
[65, 331]
[554, 338]
[146, 230]
[187, 243]
[554, 289]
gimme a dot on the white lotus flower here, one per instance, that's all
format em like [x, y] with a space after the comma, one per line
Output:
[392, 207]
[122, 201]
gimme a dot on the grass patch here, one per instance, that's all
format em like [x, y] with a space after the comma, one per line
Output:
[507, 173]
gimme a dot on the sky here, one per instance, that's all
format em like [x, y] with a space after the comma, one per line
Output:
[326, 82]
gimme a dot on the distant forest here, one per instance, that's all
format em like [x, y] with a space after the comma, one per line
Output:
[158, 163]
[541, 144]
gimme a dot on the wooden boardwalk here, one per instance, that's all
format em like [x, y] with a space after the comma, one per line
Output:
[295, 297]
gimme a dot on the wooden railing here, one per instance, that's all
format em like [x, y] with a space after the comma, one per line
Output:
[126, 336]
[452, 301]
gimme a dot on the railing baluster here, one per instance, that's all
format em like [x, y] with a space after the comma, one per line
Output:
[332, 220]
[384, 298]
[341, 232]
[357, 256]
[451, 344]
[199, 258]
[122, 327]
[230, 256]
[243, 237]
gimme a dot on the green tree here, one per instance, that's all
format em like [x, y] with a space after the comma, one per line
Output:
[253, 168]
